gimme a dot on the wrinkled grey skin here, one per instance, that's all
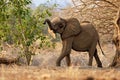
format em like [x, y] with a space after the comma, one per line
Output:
[79, 37]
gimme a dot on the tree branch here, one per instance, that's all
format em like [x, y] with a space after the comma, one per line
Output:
[108, 3]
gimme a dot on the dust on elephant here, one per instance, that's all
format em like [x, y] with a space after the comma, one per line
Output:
[79, 37]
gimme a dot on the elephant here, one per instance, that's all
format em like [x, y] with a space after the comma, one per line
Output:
[78, 36]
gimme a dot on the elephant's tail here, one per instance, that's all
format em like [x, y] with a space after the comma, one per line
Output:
[100, 47]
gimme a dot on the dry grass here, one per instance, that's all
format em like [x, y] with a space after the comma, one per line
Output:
[43, 67]
[57, 73]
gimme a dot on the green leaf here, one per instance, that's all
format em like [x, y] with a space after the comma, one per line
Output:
[49, 14]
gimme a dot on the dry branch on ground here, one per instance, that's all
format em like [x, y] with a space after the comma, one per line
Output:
[8, 61]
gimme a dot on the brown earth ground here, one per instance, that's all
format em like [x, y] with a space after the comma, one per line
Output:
[43, 67]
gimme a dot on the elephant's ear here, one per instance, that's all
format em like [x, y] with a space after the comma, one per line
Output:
[73, 28]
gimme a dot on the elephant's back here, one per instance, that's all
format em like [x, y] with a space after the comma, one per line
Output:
[90, 29]
[87, 26]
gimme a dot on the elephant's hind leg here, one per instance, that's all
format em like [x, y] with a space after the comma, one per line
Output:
[99, 64]
[90, 59]
[91, 53]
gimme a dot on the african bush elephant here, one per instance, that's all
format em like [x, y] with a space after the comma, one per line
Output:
[76, 36]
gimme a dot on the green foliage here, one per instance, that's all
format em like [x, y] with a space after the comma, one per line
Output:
[22, 26]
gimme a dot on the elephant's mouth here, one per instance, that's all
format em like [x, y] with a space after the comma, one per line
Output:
[60, 31]
[54, 31]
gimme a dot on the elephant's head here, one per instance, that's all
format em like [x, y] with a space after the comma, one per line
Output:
[66, 28]
[57, 24]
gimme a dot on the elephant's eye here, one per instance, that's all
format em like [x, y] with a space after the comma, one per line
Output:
[60, 25]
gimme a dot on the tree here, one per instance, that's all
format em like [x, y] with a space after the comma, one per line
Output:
[101, 13]
[19, 26]
[116, 41]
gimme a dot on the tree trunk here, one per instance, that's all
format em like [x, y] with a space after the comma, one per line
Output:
[116, 41]
[28, 55]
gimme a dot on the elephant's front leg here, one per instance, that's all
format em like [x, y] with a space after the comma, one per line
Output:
[64, 54]
[66, 49]
[68, 61]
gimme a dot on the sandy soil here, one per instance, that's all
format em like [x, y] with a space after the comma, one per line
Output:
[43, 67]
[58, 73]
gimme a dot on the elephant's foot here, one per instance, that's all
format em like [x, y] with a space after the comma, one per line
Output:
[89, 64]
[57, 63]
[69, 64]
[100, 66]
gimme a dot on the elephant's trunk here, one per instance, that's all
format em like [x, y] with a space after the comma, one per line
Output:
[49, 23]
